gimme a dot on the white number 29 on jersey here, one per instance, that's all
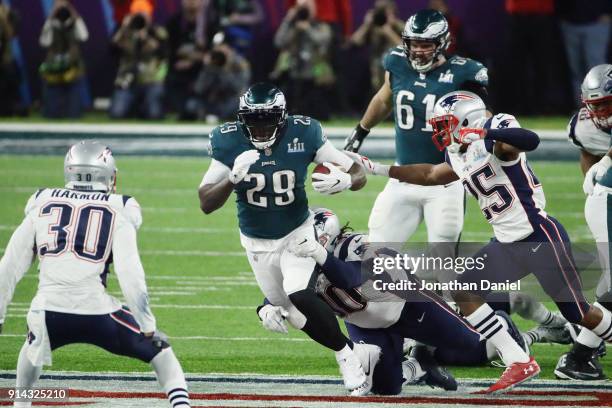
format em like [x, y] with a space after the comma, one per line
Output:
[404, 113]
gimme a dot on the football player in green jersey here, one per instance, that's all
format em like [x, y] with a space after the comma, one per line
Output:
[417, 74]
[264, 157]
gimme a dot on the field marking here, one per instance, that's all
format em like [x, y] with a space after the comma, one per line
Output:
[136, 390]
[210, 338]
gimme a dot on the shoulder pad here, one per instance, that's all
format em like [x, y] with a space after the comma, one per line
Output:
[132, 211]
[392, 56]
[503, 120]
[31, 204]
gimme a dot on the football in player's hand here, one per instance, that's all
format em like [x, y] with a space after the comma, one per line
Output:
[320, 168]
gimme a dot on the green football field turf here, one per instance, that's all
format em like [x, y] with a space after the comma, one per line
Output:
[203, 293]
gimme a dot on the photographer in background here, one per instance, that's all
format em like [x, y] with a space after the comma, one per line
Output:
[224, 77]
[63, 67]
[10, 78]
[303, 65]
[381, 30]
[139, 86]
[187, 41]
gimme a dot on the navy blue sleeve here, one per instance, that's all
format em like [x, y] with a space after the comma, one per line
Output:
[342, 274]
[522, 139]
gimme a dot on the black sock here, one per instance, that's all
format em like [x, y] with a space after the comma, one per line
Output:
[321, 324]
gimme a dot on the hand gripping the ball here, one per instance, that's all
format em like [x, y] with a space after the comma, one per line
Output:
[242, 163]
[334, 182]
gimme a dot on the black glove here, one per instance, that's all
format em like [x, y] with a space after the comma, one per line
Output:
[354, 141]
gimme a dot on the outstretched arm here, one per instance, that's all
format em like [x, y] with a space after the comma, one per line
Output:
[15, 263]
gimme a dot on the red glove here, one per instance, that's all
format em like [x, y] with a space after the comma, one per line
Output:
[469, 135]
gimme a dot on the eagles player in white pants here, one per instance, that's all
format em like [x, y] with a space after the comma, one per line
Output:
[590, 130]
[417, 73]
[73, 231]
[264, 159]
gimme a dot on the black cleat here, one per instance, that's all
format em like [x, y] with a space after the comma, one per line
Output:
[600, 351]
[570, 368]
[435, 376]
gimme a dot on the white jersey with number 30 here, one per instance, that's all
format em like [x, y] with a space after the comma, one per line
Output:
[508, 193]
[76, 235]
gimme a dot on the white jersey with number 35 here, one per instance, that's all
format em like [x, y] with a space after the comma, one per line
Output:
[76, 235]
[508, 193]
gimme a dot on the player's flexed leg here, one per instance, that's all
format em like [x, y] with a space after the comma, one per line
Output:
[73, 231]
[488, 156]
[264, 158]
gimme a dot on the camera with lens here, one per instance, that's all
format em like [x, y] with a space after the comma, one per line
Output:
[218, 58]
[63, 15]
[380, 16]
[302, 14]
[138, 22]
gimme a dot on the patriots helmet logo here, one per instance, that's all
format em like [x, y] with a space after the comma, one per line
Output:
[450, 100]
[503, 124]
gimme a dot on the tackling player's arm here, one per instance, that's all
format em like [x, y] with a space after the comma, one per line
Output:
[510, 142]
[129, 270]
[378, 109]
[16, 261]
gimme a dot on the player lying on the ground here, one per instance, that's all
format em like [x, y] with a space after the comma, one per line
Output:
[385, 319]
[73, 231]
[590, 130]
[488, 156]
[264, 158]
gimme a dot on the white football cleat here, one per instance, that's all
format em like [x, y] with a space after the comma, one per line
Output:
[368, 355]
[352, 372]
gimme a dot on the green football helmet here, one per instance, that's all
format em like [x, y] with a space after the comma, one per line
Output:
[425, 25]
[263, 112]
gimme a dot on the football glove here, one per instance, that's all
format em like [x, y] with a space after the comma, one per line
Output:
[306, 246]
[469, 135]
[354, 141]
[595, 173]
[331, 183]
[273, 318]
[242, 163]
[369, 166]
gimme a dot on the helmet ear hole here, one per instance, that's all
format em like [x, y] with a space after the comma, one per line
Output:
[465, 122]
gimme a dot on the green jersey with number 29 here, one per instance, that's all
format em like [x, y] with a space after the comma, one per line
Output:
[271, 199]
[414, 97]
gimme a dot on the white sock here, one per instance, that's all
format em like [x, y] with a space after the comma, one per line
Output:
[588, 338]
[345, 353]
[27, 374]
[487, 323]
[530, 309]
[412, 370]
[171, 377]
[604, 328]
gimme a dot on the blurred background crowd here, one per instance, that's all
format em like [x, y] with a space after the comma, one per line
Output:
[192, 58]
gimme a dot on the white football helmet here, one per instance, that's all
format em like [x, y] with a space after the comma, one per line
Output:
[327, 226]
[89, 165]
[596, 92]
[453, 111]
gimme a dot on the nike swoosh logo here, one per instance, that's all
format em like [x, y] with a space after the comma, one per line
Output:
[305, 240]
[367, 372]
[421, 319]
[536, 248]
[357, 239]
